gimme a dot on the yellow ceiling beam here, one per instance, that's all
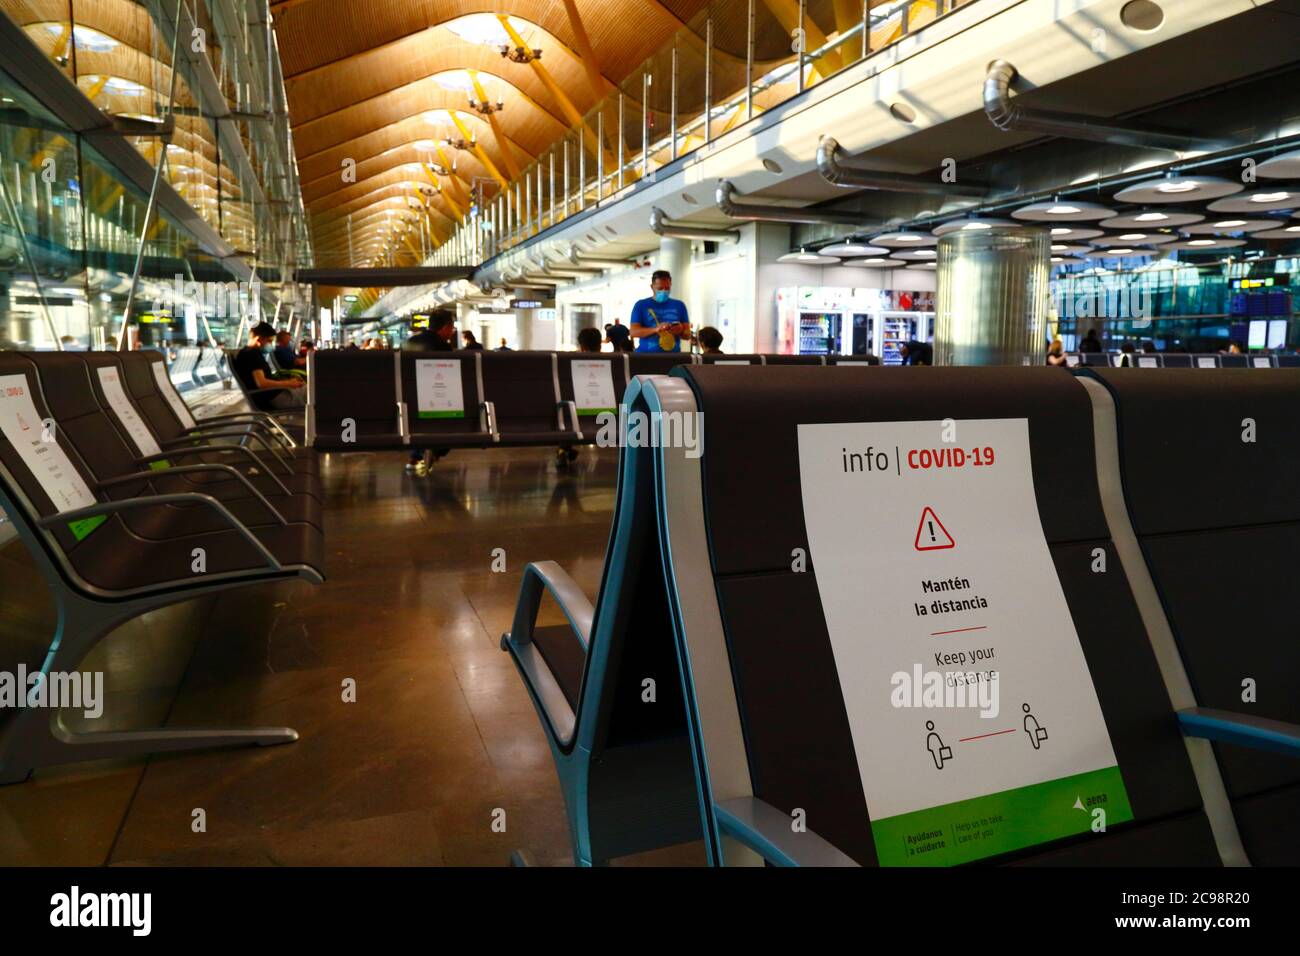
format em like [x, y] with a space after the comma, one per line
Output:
[585, 51]
[786, 13]
[457, 184]
[566, 105]
[479, 151]
[502, 143]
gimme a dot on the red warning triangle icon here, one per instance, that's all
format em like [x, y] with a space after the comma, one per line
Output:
[931, 535]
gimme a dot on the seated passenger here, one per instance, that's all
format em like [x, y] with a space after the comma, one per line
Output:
[1056, 353]
[438, 337]
[255, 373]
[589, 340]
[916, 353]
[710, 340]
[285, 356]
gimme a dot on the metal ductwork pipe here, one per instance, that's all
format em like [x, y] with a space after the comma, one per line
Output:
[764, 212]
[661, 225]
[541, 279]
[568, 267]
[828, 164]
[1003, 113]
[578, 258]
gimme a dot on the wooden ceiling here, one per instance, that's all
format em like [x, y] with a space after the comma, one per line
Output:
[362, 75]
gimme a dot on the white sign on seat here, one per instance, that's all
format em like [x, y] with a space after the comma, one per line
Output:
[973, 715]
[121, 408]
[438, 389]
[40, 452]
[593, 386]
[167, 391]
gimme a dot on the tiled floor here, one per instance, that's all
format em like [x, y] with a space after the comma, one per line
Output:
[441, 737]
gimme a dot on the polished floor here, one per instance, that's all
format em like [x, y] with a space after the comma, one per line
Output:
[441, 740]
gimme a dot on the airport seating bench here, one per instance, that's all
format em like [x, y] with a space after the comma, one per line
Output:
[793, 628]
[1209, 469]
[118, 529]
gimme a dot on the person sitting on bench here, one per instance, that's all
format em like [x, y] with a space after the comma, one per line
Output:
[255, 372]
[438, 337]
[589, 340]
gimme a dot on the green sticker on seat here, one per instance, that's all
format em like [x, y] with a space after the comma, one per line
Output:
[592, 412]
[442, 413]
[160, 465]
[83, 526]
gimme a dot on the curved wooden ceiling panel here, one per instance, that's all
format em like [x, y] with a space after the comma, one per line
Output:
[360, 76]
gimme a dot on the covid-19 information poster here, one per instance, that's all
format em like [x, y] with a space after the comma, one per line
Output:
[438, 389]
[974, 717]
[593, 386]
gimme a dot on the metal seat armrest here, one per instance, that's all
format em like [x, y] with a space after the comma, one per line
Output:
[490, 411]
[767, 831]
[1225, 726]
[255, 419]
[231, 432]
[193, 469]
[575, 427]
[187, 451]
[537, 674]
[548, 576]
[185, 497]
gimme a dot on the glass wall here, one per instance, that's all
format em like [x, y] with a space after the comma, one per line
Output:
[229, 155]
[1184, 306]
[70, 230]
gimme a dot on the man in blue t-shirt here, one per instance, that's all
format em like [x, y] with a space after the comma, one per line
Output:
[659, 323]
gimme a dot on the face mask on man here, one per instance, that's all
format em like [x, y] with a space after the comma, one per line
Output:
[661, 295]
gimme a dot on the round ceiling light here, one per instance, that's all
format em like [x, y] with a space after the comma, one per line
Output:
[977, 224]
[1063, 210]
[1121, 252]
[1067, 249]
[846, 249]
[809, 259]
[1206, 243]
[1067, 261]
[1072, 234]
[913, 254]
[1230, 226]
[921, 265]
[903, 240]
[1179, 189]
[1259, 200]
[1281, 166]
[1288, 232]
[1136, 239]
[873, 263]
[1151, 219]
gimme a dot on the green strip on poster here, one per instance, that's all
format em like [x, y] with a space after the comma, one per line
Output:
[1001, 822]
